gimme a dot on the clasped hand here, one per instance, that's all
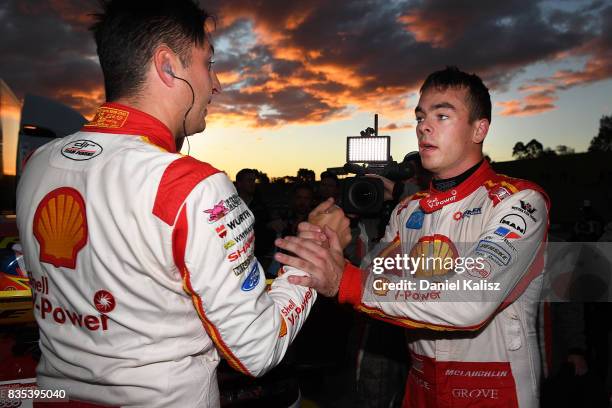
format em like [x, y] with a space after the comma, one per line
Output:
[318, 248]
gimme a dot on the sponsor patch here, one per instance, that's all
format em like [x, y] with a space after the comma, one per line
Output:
[109, 118]
[234, 256]
[104, 301]
[243, 216]
[499, 194]
[526, 209]
[506, 233]
[252, 279]
[415, 221]
[243, 266]
[217, 212]
[229, 244]
[467, 213]
[496, 253]
[515, 222]
[222, 208]
[80, 150]
[221, 231]
[481, 272]
[60, 227]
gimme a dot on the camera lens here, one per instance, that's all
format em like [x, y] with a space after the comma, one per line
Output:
[363, 194]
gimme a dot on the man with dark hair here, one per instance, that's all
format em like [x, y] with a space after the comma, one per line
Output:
[329, 186]
[461, 264]
[141, 259]
[246, 182]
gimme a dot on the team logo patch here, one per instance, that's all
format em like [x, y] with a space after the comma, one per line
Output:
[252, 279]
[80, 150]
[415, 221]
[506, 233]
[109, 118]
[515, 221]
[104, 301]
[60, 227]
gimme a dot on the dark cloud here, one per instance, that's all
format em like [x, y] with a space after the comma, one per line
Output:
[284, 62]
[46, 50]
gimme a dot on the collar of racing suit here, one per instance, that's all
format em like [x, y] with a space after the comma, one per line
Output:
[447, 184]
[435, 199]
[121, 119]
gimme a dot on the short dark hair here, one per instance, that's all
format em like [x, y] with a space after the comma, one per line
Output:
[128, 31]
[301, 186]
[478, 99]
[330, 175]
[245, 172]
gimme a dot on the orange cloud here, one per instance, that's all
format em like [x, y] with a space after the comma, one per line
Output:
[532, 104]
[423, 30]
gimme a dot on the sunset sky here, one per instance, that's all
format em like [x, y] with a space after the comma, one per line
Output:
[300, 76]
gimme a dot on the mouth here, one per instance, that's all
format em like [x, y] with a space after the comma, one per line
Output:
[427, 147]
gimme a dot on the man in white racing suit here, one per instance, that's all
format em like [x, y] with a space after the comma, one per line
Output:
[142, 260]
[461, 264]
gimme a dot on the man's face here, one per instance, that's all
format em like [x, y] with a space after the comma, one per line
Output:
[328, 188]
[302, 201]
[203, 79]
[444, 132]
[247, 184]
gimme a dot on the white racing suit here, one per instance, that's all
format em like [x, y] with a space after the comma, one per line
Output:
[142, 269]
[473, 339]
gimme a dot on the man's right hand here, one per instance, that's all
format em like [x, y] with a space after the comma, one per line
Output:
[325, 265]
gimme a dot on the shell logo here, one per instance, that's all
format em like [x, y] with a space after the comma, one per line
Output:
[60, 227]
[438, 255]
[283, 329]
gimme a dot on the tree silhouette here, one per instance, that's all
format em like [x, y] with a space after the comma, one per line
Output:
[603, 141]
[563, 150]
[518, 150]
[532, 150]
[306, 175]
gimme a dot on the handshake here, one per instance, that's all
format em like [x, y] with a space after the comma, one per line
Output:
[318, 249]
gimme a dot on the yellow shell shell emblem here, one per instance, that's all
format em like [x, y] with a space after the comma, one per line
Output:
[60, 227]
[438, 255]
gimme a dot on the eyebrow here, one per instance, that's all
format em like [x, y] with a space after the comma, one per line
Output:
[441, 105]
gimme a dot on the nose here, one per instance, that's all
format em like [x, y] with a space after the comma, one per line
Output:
[216, 85]
[424, 128]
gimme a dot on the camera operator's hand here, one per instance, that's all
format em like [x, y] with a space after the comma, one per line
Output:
[325, 265]
[330, 215]
[387, 184]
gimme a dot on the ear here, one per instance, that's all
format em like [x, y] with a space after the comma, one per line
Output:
[481, 128]
[164, 60]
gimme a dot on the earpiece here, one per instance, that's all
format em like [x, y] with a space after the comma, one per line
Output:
[166, 68]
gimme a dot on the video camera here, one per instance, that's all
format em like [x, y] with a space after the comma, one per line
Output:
[370, 154]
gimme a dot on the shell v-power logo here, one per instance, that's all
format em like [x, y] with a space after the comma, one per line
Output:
[60, 227]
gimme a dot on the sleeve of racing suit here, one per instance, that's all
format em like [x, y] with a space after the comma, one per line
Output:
[513, 257]
[213, 246]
